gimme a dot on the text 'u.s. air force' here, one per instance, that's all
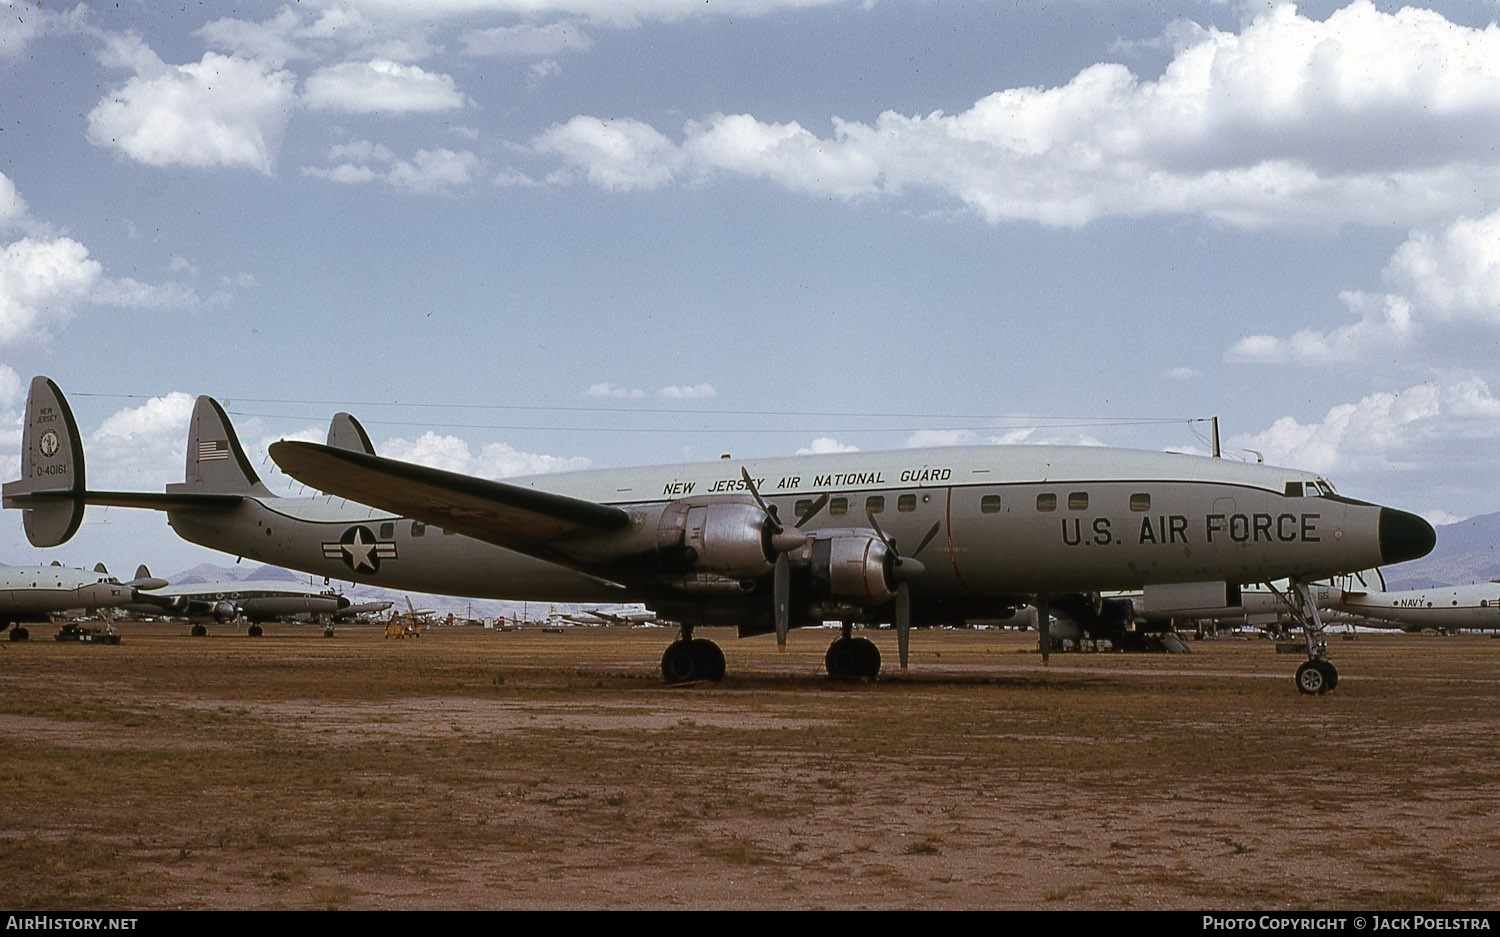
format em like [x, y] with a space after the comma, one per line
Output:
[1179, 528]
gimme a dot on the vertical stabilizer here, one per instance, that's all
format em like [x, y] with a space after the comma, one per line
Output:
[216, 463]
[50, 491]
[345, 432]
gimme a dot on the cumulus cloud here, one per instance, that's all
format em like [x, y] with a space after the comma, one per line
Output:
[22, 23]
[141, 447]
[380, 87]
[45, 279]
[273, 39]
[428, 171]
[1444, 296]
[825, 445]
[682, 392]
[1363, 117]
[527, 41]
[41, 283]
[219, 111]
[495, 460]
[12, 206]
[694, 392]
[12, 389]
[619, 155]
[1447, 423]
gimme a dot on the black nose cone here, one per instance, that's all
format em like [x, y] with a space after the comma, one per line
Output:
[1404, 536]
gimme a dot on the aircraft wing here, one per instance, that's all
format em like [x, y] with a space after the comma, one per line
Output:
[506, 515]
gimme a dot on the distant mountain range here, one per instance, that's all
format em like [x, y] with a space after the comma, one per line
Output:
[1466, 552]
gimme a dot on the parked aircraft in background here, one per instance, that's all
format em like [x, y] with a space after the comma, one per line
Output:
[30, 593]
[706, 544]
[251, 601]
[613, 616]
[1443, 608]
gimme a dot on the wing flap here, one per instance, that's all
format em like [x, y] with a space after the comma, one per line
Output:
[495, 512]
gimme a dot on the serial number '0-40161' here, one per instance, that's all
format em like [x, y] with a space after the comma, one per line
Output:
[1179, 528]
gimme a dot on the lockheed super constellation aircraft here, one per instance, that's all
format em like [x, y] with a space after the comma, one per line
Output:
[706, 543]
[249, 600]
[30, 593]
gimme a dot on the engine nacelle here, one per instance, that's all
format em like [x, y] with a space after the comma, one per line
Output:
[852, 565]
[728, 539]
[225, 610]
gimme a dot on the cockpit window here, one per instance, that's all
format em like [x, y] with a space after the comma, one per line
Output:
[1324, 488]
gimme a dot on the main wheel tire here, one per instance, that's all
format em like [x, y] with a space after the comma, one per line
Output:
[678, 664]
[1330, 674]
[852, 659]
[708, 659]
[255, 631]
[1312, 678]
[198, 631]
[20, 633]
[869, 657]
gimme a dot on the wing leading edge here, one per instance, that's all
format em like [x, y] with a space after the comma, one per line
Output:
[510, 516]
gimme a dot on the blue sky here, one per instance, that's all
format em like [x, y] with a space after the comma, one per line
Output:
[527, 235]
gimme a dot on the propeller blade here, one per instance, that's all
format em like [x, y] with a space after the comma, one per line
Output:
[814, 508]
[932, 532]
[903, 623]
[781, 591]
[754, 493]
[782, 540]
[870, 516]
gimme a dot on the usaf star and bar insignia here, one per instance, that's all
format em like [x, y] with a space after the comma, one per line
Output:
[360, 550]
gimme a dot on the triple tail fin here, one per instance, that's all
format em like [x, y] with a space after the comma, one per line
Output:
[216, 463]
[345, 432]
[51, 491]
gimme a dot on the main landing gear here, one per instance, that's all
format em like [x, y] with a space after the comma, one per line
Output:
[851, 658]
[690, 659]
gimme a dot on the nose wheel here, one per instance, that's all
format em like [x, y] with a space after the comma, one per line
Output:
[1316, 677]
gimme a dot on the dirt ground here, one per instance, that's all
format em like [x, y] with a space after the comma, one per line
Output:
[473, 769]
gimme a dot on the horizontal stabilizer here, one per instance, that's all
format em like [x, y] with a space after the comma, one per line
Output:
[506, 515]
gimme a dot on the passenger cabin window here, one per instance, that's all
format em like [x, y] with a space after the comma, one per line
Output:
[1078, 500]
[1047, 502]
[1140, 502]
[802, 506]
[906, 503]
[387, 530]
[990, 504]
[838, 506]
[875, 504]
[418, 528]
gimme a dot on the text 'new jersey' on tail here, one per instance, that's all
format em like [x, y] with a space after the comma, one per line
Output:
[51, 491]
[216, 462]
